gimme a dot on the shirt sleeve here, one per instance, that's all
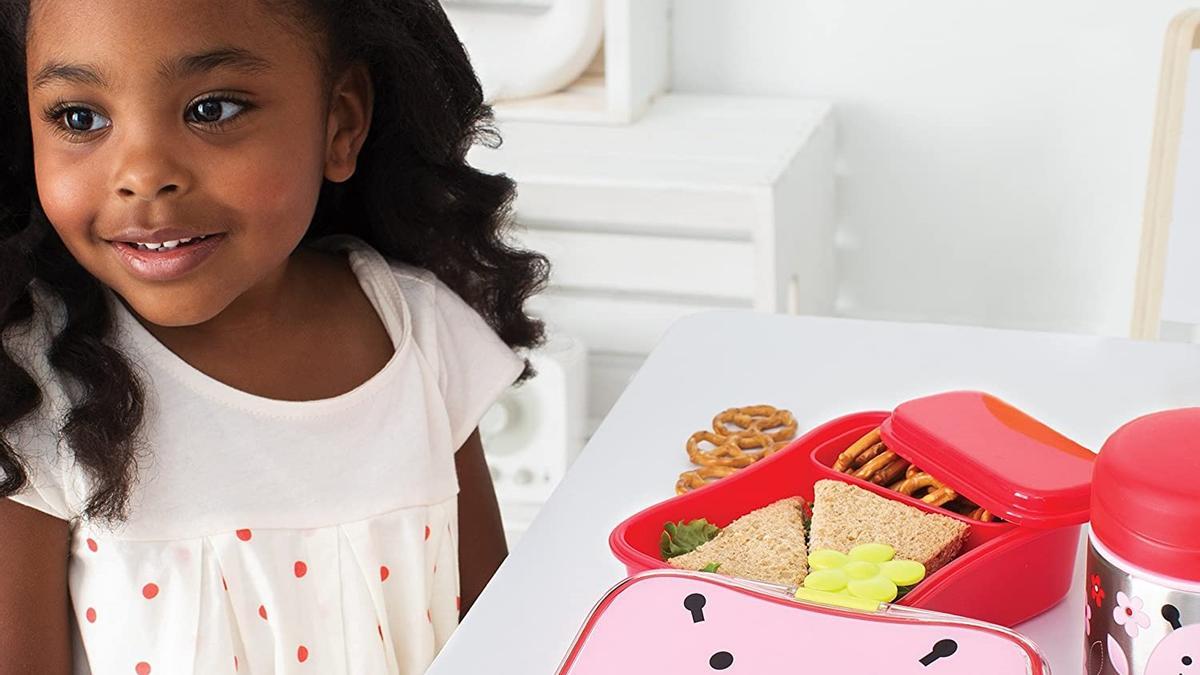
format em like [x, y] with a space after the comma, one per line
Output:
[36, 437]
[474, 365]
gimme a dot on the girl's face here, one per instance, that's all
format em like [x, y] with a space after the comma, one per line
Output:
[159, 120]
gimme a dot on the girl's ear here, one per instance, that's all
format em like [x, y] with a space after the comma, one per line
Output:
[350, 104]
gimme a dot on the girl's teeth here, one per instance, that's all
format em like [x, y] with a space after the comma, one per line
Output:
[166, 245]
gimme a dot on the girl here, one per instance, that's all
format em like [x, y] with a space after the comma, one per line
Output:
[253, 302]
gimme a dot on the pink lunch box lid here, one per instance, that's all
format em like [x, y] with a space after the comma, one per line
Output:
[997, 456]
[688, 623]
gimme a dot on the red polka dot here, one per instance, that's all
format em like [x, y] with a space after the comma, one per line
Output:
[383, 573]
[426, 532]
[302, 654]
[91, 543]
[262, 611]
[91, 614]
[244, 535]
[149, 591]
[142, 668]
[300, 569]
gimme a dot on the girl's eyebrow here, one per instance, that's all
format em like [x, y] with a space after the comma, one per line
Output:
[188, 65]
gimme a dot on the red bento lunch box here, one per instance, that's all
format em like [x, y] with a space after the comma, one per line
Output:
[1030, 476]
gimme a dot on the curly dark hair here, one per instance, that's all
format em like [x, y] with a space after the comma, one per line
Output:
[413, 197]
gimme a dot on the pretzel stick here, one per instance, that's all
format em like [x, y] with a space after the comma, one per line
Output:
[882, 460]
[940, 496]
[869, 459]
[866, 456]
[917, 482]
[862, 444]
[983, 515]
[890, 472]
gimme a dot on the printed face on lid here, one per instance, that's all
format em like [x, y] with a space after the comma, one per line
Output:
[1179, 652]
[692, 626]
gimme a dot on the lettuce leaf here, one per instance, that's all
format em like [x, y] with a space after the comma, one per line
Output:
[685, 537]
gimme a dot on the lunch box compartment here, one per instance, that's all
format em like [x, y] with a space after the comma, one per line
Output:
[1007, 572]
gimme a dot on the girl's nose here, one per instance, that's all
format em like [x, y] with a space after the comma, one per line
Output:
[148, 174]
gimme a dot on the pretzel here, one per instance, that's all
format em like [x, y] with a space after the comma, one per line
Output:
[869, 459]
[940, 496]
[983, 515]
[758, 418]
[739, 437]
[869, 454]
[919, 481]
[698, 478]
[845, 459]
[890, 472]
[883, 459]
[729, 450]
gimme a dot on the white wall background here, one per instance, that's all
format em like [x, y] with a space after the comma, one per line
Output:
[994, 152]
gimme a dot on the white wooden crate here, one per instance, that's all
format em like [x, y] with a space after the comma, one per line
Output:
[705, 202]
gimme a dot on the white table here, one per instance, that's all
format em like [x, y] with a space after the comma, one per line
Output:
[819, 368]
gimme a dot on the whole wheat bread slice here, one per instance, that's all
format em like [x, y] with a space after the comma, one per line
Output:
[845, 516]
[765, 545]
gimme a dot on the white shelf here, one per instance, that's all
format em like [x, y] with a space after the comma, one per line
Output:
[684, 140]
[705, 202]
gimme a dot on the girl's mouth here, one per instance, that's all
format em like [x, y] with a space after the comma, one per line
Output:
[167, 245]
[168, 260]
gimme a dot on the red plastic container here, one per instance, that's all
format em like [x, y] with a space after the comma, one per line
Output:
[1035, 479]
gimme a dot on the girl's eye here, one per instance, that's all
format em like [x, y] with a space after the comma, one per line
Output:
[78, 123]
[82, 120]
[215, 111]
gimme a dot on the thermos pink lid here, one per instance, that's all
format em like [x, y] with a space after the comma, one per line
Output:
[1146, 493]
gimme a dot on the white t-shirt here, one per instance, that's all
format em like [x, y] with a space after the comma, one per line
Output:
[268, 536]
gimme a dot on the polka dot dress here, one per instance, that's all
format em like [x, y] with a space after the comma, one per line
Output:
[274, 537]
[373, 597]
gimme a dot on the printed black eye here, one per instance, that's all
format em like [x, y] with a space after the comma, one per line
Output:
[941, 650]
[720, 660]
[694, 603]
[1171, 614]
[1187, 660]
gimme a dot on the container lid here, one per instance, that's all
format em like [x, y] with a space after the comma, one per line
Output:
[692, 622]
[995, 455]
[1146, 502]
